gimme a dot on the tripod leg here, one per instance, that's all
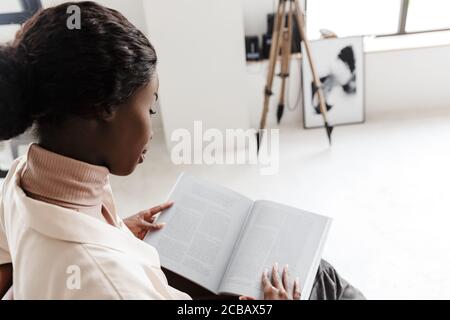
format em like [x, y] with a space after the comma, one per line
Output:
[316, 79]
[286, 49]
[274, 51]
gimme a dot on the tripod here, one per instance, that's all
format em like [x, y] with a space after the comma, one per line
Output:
[282, 42]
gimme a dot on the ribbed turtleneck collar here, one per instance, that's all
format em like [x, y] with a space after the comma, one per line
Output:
[64, 181]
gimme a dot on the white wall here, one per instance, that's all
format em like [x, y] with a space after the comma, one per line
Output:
[201, 62]
[404, 80]
[255, 15]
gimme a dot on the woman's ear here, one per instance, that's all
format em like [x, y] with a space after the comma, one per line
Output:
[107, 114]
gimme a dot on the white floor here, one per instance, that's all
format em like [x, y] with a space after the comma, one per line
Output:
[384, 182]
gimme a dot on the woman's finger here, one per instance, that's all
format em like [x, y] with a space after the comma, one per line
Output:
[151, 226]
[155, 210]
[265, 279]
[276, 277]
[296, 294]
[285, 277]
[246, 298]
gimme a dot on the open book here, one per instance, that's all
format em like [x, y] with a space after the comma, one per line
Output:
[223, 240]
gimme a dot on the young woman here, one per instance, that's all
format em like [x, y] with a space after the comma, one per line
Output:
[89, 93]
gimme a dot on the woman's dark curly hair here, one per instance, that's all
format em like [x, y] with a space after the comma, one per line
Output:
[49, 72]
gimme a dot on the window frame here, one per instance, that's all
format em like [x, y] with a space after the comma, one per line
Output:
[30, 8]
[405, 3]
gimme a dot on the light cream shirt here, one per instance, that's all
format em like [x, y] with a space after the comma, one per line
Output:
[59, 253]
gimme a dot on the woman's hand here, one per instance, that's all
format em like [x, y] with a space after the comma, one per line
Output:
[144, 221]
[278, 289]
[6, 278]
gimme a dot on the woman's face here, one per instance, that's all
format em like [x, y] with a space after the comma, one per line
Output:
[130, 130]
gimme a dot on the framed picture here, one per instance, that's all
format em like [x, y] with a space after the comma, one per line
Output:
[340, 67]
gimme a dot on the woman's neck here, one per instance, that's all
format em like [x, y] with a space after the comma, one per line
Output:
[74, 141]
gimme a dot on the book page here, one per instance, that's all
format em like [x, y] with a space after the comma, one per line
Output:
[276, 233]
[201, 230]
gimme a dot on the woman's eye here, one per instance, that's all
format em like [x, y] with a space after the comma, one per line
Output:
[152, 112]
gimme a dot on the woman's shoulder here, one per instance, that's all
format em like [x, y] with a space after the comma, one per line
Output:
[16, 166]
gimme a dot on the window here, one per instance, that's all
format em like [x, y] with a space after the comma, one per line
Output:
[352, 17]
[8, 31]
[9, 6]
[427, 15]
[376, 17]
[13, 13]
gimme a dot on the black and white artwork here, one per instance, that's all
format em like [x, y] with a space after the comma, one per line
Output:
[340, 67]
